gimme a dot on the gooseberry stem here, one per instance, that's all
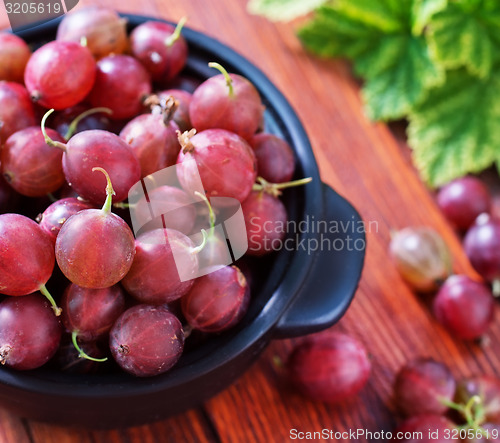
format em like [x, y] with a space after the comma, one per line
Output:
[473, 417]
[109, 191]
[48, 140]
[210, 210]
[57, 310]
[469, 415]
[275, 188]
[222, 70]
[452, 405]
[81, 352]
[74, 124]
[198, 249]
[171, 39]
[123, 205]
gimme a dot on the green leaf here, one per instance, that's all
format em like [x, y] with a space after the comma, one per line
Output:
[331, 34]
[456, 131]
[396, 65]
[422, 11]
[467, 33]
[283, 10]
[387, 16]
[408, 75]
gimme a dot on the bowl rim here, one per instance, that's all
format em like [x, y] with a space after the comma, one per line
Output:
[125, 385]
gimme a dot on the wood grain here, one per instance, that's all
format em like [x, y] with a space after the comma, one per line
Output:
[368, 164]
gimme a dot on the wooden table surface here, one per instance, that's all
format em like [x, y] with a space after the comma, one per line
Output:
[371, 166]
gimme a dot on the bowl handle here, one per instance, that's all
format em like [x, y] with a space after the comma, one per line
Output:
[332, 282]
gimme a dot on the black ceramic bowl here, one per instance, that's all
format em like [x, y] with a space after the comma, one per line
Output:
[297, 292]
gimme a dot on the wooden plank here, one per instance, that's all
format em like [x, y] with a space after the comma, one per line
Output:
[12, 429]
[189, 427]
[367, 164]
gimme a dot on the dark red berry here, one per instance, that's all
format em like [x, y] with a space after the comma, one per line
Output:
[463, 200]
[16, 112]
[121, 84]
[275, 160]
[160, 48]
[227, 101]
[29, 332]
[329, 367]
[217, 301]
[60, 74]
[29, 165]
[147, 340]
[423, 386]
[265, 220]
[482, 246]
[464, 306]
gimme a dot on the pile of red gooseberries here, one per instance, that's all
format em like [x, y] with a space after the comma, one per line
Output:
[437, 408]
[84, 118]
[463, 305]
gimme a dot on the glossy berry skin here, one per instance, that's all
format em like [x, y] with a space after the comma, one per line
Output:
[154, 143]
[95, 249]
[329, 367]
[24, 269]
[53, 218]
[426, 428]
[181, 115]
[14, 55]
[217, 301]
[29, 332]
[482, 246]
[225, 162]
[90, 149]
[421, 257]
[465, 307]
[420, 387]
[275, 160]
[265, 218]
[91, 312]
[149, 45]
[213, 106]
[16, 112]
[60, 74]
[147, 340]
[463, 200]
[121, 85]
[488, 389]
[173, 203]
[29, 165]
[104, 30]
[153, 277]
